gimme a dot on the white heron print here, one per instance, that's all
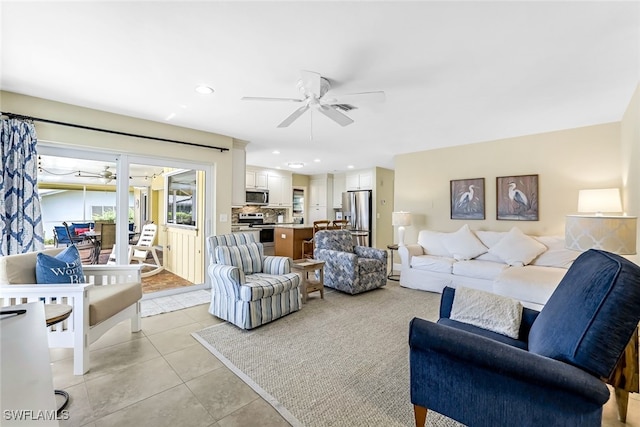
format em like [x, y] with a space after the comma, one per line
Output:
[467, 198]
[517, 197]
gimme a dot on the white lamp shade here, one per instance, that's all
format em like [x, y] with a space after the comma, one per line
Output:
[401, 218]
[600, 200]
[615, 234]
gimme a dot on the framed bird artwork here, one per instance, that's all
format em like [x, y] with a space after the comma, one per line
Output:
[467, 198]
[517, 198]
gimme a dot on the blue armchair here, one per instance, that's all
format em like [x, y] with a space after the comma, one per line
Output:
[349, 268]
[552, 374]
[249, 289]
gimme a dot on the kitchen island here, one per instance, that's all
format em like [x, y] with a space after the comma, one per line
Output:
[289, 238]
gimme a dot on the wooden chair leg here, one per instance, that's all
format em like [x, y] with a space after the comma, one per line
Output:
[625, 376]
[420, 415]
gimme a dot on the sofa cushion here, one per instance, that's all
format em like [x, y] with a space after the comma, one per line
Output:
[20, 269]
[247, 257]
[107, 300]
[488, 311]
[259, 286]
[516, 248]
[431, 242]
[556, 254]
[438, 264]
[592, 314]
[479, 269]
[463, 244]
[531, 283]
[370, 265]
[65, 267]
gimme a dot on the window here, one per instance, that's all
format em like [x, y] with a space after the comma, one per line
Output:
[181, 198]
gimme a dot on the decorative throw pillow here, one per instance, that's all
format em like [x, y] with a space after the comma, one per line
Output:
[247, 258]
[463, 244]
[487, 311]
[66, 267]
[517, 249]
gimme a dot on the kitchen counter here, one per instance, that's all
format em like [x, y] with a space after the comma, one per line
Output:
[289, 238]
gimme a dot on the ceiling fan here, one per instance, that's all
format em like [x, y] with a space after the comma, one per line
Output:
[106, 176]
[314, 88]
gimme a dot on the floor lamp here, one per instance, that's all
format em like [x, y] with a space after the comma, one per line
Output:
[401, 220]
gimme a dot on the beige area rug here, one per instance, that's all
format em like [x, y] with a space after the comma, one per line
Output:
[341, 361]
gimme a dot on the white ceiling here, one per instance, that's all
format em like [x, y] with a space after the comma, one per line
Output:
[453, 72]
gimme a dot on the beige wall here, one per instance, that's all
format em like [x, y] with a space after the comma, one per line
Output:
[630, 137]
[383, 199]
[566, 161]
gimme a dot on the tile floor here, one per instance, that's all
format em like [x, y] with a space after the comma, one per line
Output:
[161, 376]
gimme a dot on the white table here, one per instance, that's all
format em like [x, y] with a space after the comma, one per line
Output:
[27, 384]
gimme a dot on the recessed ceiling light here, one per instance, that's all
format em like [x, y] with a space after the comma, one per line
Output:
[350, 167]
[316, 160]
[295, 165]
[275, 152]
[203, 89]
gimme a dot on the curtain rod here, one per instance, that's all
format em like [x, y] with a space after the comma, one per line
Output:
[115, 132]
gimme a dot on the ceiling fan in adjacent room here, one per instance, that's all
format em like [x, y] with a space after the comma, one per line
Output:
[314, 88]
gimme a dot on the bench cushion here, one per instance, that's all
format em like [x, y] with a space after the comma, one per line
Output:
[21, 269]
[107, 300]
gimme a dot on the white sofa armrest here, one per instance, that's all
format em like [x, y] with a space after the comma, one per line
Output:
[408, 251]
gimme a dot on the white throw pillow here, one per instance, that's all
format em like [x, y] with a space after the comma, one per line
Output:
[431, 242]
[487, 311]
[517, 249]
[463, 244]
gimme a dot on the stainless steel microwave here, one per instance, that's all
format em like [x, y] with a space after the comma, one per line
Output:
[257, 197]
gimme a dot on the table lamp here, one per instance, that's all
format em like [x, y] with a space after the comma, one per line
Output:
[596, 228]
[401, 220]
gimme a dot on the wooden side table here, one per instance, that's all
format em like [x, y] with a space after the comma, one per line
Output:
[304, 267]
[391, 276]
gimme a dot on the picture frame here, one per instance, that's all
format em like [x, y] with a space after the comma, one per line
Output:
[517, 198]
[467, 199]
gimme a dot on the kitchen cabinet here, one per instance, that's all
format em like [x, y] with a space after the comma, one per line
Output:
[256, 179]
[238, 176]
[288, 240]
[339, 187]
[361, 180]
[280, 190]
[317, 192]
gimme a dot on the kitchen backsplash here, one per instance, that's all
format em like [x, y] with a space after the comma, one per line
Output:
[270, 214]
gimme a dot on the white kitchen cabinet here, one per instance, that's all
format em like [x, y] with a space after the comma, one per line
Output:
[317, 192]
[280, 191]
[339, 187]
[257, 179]
[361, 180]
[238, 176]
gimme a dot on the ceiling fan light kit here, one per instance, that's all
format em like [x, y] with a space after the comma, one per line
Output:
[314, 87]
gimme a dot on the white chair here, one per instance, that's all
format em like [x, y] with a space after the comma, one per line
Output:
[110, 295]
[140, 251]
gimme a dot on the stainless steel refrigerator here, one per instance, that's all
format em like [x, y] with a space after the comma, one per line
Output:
[357, 208]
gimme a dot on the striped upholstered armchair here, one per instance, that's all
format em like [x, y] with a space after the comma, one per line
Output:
[249, 289]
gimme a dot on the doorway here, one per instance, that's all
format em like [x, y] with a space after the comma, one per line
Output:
[140, 199]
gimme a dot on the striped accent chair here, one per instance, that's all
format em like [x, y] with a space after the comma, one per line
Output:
[349, 268]
[249, 289]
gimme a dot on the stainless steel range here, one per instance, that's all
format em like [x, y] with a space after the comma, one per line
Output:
[256, 220]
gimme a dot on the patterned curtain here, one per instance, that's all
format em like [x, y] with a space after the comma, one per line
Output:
[20, 216]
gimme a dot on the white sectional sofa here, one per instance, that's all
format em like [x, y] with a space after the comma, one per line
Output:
[512, 264]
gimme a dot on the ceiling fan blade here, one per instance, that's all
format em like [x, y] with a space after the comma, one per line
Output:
[286, 122]
[310, 81]
[258, 98]
[356, 98]
[335, 115]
